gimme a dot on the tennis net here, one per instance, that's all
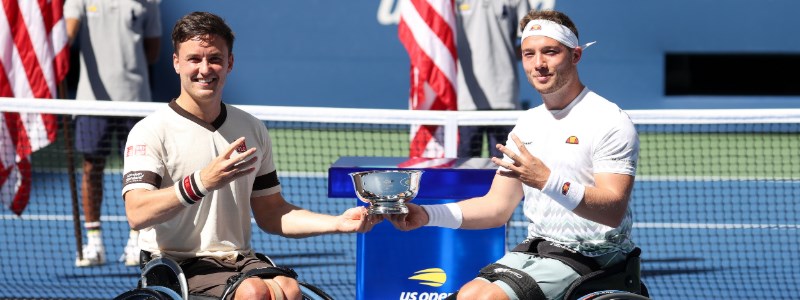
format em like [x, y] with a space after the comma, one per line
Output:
[714, 203]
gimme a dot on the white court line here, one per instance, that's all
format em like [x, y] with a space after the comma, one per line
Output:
[715, 178]
[694, 225]
[295, 174]
[28, 217]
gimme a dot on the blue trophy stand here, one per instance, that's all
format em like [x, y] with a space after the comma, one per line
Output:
[428, 263]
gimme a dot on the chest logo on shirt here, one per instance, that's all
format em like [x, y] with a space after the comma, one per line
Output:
[572, 140]
[241, 148]
[135, 150]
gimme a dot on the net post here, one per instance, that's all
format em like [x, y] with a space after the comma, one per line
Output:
[73, 187]
[451, 136]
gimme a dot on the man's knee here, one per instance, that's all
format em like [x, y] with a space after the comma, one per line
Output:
[278, 288]
[252, 288]
[481, 289]
[285, 287]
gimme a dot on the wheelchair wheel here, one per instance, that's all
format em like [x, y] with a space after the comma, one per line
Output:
[311, 292]
[613, 295]
[149, 293]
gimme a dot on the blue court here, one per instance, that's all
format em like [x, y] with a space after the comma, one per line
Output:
[693, 248]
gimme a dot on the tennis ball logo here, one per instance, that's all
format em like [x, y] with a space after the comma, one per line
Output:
[434, 277]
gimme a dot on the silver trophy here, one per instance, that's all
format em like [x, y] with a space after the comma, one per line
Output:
[386, 191]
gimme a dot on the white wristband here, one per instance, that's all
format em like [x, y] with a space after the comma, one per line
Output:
[444, 215]
[183, 199]
[190, 189]
[199, 183]
[566, 192]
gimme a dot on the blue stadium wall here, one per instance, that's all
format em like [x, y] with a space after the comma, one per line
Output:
[345, 53]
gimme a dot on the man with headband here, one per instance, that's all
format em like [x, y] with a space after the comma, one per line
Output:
[573, 159]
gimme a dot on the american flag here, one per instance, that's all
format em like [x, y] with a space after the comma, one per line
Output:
[427, 29]
[34, 58]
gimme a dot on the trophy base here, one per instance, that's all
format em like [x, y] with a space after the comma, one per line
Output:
[394, 209]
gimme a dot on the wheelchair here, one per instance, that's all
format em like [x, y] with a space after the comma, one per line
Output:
[163, 279]
[619, 282]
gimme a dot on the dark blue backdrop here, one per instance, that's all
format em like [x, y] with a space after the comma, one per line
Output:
[336, 53]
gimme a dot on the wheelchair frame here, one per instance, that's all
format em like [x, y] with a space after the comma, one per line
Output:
[164, 277]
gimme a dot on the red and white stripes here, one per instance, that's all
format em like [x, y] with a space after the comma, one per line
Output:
[427, 30]
[34, 58]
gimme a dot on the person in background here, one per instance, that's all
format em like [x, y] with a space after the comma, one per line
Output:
[117, 40]
[573, 159]
[488, 55]
[197, 170]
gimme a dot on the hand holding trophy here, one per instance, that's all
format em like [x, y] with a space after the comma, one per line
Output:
[386, 191]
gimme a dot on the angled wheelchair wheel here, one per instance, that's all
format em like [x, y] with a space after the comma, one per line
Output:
[149, 293]
[613, 295]
[167, 274]
[311, 292]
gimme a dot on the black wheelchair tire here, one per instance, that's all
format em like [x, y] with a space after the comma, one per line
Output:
[311, 292]
[145, 294]
[616, 295]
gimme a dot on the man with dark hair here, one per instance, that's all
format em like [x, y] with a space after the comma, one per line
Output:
[197, 170]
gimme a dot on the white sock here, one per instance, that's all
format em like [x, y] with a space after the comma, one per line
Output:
[95, 237]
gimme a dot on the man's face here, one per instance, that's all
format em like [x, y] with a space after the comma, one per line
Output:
[548, 64]
[203, 63]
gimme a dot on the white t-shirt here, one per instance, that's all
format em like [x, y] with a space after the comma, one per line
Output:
[171, 144]
[591, 135]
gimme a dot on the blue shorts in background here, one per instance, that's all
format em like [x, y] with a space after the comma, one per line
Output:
[93, 134]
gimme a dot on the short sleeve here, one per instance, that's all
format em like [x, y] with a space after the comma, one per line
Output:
[266, 181]
[618, 150]
[74, 9]
[143, 160]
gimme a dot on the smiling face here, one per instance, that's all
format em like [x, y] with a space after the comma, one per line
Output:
[548, 64]
[203, 64]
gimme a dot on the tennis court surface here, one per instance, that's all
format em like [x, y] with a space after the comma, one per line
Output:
[715, 206]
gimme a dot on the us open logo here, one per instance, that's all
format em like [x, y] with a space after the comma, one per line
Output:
[434, 277]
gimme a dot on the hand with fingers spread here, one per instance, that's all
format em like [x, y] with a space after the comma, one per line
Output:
[228, 166]
[525, 167]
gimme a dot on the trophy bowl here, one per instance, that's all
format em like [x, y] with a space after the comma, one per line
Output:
[386, 191]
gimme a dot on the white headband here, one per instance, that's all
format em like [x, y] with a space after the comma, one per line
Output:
[552, 30]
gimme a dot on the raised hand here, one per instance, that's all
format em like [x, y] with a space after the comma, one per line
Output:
[527, 168]
[228, 166]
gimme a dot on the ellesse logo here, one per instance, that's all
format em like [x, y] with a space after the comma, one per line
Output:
[572, 140]
[434, 277]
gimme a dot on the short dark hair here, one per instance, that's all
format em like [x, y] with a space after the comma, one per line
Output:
[203, 25]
